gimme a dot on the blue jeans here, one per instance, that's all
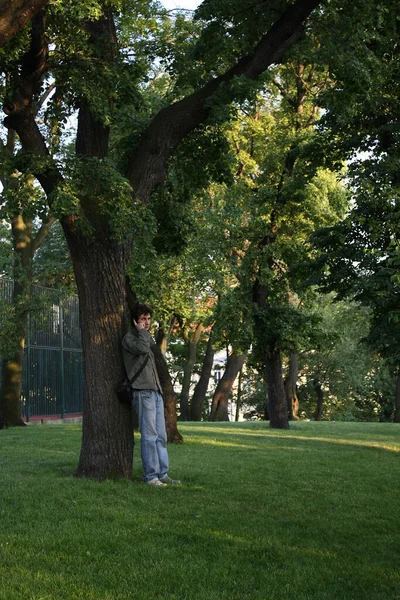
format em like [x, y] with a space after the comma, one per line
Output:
[149, 406]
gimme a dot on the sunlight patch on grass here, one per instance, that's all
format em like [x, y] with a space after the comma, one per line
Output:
[393, 447]
[227, 444]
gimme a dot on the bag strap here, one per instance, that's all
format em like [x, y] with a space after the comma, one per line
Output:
[142, 366]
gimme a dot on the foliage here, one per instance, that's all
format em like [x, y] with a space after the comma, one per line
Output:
[283, 197]
[168, 284]
[5, 250]
[52, 266]
[231, 211]
[232, 29]
[19, 196]
[8, 345]
[72, 53]
[97, 181]
[253, 400]
[359, 257]
[338, 359]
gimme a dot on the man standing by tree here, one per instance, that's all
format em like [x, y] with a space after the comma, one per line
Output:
[146, 397]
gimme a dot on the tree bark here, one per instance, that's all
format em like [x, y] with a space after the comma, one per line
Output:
[10, 393]
[276, 403]
[396, 415]
[15, 14]
[277, 406]
[219, 406]
[11, 380]
[169, 396]
[291, 388]
[191, 345]
[107, 428]
[320, 400]
[200, 391]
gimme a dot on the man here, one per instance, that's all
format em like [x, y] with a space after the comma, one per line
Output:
[147, 398]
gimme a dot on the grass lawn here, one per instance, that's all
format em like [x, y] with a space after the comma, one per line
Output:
[312, 513]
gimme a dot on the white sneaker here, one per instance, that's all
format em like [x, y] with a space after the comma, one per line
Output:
[156, 483]
[167, 479]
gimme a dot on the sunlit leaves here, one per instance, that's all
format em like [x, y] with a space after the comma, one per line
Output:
[21, 196]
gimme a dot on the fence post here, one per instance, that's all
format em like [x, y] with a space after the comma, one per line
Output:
[62, 379]
[28, 368]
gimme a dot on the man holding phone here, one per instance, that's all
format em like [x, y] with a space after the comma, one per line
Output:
[147, 398]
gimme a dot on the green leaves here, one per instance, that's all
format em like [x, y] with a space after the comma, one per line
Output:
[21, 196]
[95, 182]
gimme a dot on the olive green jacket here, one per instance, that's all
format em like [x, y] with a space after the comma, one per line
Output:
[136, 345]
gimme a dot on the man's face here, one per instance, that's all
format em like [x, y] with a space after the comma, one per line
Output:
[144, 321]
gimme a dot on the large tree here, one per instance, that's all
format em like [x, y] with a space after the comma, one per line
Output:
[26, 241]
[90, 72]
[277, 197]
[24, 207]
[359, 257]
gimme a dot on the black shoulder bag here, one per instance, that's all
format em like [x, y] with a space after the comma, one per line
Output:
[124, 388]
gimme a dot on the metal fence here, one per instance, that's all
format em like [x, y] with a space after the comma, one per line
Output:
[52, 372]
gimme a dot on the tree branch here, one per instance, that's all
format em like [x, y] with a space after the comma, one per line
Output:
[20, 107]
[42, 234]
[172, 124]
[15, 14]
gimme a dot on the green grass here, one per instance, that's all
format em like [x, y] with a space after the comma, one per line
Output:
[312, 513]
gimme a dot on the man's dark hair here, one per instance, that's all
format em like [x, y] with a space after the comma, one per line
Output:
[140, 309]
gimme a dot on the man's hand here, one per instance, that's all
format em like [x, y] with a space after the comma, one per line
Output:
[138, 326]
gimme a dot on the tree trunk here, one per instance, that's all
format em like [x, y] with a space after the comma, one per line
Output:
[11, 379]
[266, 410]
[164, 333]
[191, 345]
[291, 388]
[277, 406]
[396, 415]
[200, 391]
[10, 393]
[239, 395]
[320, 400]
[169, 396]
[219, 407]
[107, 435]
